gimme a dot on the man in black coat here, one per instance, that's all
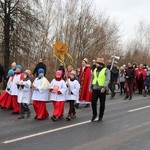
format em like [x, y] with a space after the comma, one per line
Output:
[113, 79]
[39, 65]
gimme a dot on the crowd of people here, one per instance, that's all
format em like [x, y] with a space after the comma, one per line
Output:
[83, 86]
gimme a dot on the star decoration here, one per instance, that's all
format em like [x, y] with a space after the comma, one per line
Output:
[60, 49]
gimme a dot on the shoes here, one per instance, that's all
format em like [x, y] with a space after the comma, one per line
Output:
[87, 105]
[54, 118]
[93, 118]
[130, 98]
[73, 116]
[112, 95]
[68, 118]
[15, 113]
[28, 114]
[61, 117]
[21, 117]
[2, 107]
[77, 105]
[100, 119]
[126, 97]
[35, 117]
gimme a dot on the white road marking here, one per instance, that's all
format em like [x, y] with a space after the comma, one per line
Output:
[140, 108]
[45, 132]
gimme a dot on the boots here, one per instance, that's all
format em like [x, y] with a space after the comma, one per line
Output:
[145, 93]
[126, 97]
[68, 118]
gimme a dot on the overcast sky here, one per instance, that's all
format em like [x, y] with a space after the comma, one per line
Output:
[127, 13]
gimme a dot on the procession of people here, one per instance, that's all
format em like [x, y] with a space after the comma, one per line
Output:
[77, 86]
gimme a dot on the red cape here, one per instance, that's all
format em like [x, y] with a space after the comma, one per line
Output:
[84, 80]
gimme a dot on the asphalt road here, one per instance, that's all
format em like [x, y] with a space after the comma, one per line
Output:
[126, 126]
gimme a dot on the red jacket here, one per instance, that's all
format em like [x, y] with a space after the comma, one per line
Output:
[140, 71]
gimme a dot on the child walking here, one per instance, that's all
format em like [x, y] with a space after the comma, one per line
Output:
[58, 95]
[40, 95]
[24, 94]
[72, 94]
[5, 97]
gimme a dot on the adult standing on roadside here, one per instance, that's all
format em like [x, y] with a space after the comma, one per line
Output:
[99, 84]
[129, 81]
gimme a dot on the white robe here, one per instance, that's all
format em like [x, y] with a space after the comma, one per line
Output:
[14, 89]
[9, 84]
[24, 95]
[61, 87]
[74, 88]
[42, 91]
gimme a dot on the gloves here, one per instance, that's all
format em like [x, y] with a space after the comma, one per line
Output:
[59, 93]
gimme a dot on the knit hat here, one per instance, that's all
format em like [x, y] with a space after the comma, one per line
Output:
[11, 72]
[19, 67]
[59, 72]
[13, 64]
[40, 70]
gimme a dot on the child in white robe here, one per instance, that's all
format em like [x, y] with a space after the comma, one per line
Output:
[14, 89]
[24, 94]
[5, 97]
[58, 95]
[40, 95]
[72, 94]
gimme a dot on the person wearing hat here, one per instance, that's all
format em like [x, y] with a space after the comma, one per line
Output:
[40, 95]
[99, 84]
[24, 94]
[58, 95]
[5, 97]
[38, 66]
[84, 79]
[114, 76]
[14, 89]
[72, 94]
[13, 66]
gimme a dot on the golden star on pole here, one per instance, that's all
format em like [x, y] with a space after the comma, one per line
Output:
[60, 49]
